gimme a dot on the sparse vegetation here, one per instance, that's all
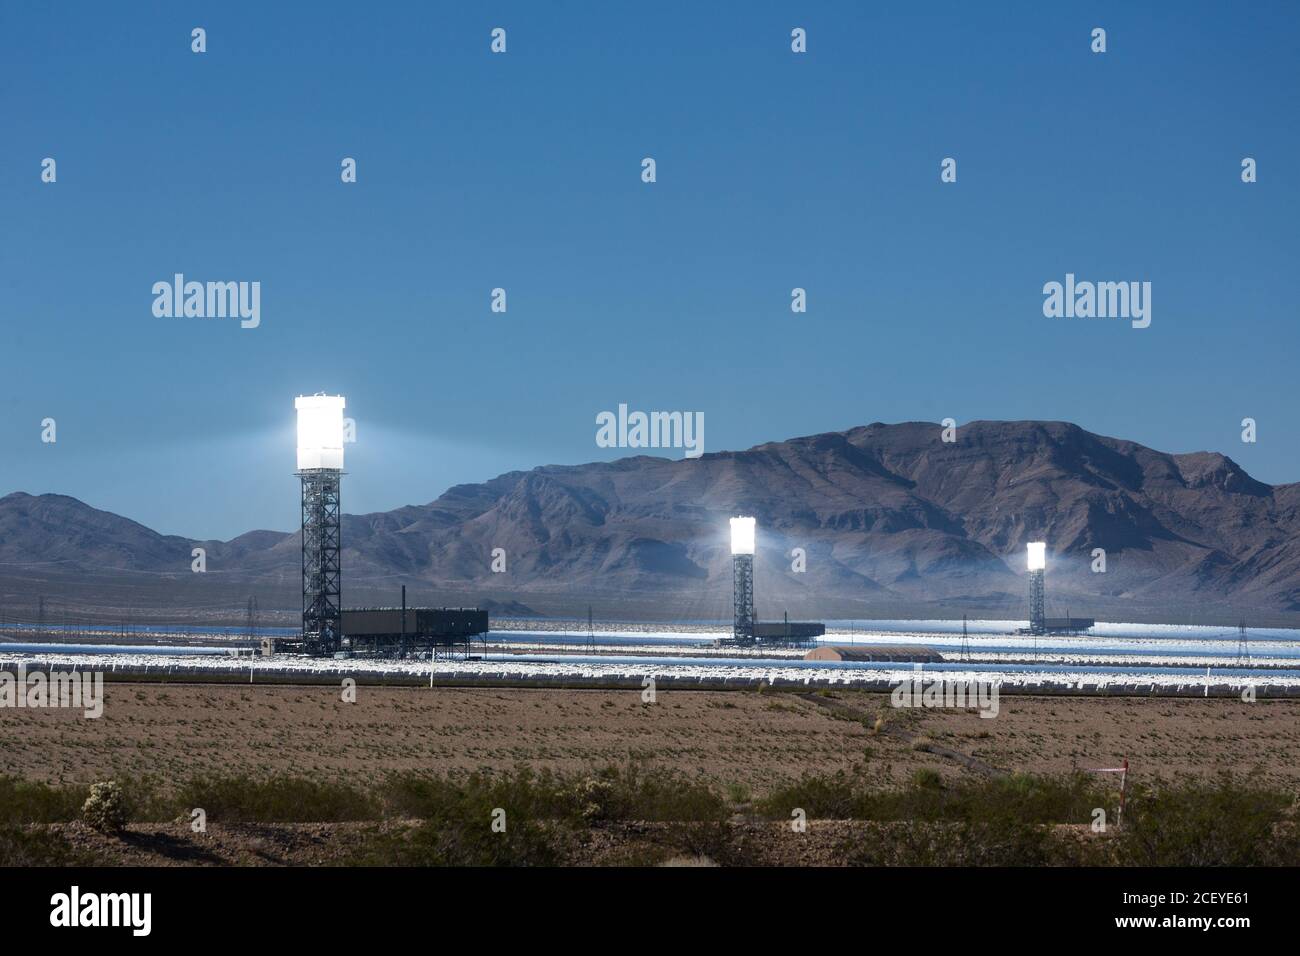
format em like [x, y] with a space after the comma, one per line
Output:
[35, 846]
[1226, 823]
[1016, 798]
[412, 776]
[23, 801]
[274, 800]
[650, 817]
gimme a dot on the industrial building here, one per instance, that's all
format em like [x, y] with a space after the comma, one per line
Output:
[401, 630]
[1066, 625]
[787, 632]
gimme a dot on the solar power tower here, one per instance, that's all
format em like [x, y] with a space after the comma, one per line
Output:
[742, 558]
[1037, 600]
[320, 466]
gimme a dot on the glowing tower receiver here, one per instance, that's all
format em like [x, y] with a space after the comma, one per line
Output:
[742, 535]
[1037, 555]
[1037, 604]
[320, 466]
[320, 431]
[742, 558]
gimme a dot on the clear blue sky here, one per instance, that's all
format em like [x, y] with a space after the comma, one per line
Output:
[523, 171]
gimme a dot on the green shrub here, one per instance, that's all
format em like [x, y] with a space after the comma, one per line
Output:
[105, 807]
[25, 802]
[927, 778]
[926, 843]
[1017, 797]
[274, 800]
[634, 793]
[460, 838]
[534, 795]
[1225, 823]
[467, 827]
[713, 840]
[839, 796]
[36, 847]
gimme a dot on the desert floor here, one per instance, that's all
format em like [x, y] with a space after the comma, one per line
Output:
[744, 740]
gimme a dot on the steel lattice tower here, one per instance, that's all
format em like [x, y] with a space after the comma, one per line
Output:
[742, 627]
[320, 466]
[1037, 603]
[322, 543]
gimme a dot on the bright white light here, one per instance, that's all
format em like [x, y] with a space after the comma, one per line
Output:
[320, 431]
[1037, 555]
[742, 535]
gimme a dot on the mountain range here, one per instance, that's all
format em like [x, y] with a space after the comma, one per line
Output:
[891, 520]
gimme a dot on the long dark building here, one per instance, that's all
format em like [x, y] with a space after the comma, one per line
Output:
[788, 632]
[394, 629]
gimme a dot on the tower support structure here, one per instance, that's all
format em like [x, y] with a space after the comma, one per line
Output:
[322, 545]
[1037, 603]
[742, 627]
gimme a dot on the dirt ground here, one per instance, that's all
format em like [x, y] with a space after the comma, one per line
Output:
[1162, 737]
[746, 740]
